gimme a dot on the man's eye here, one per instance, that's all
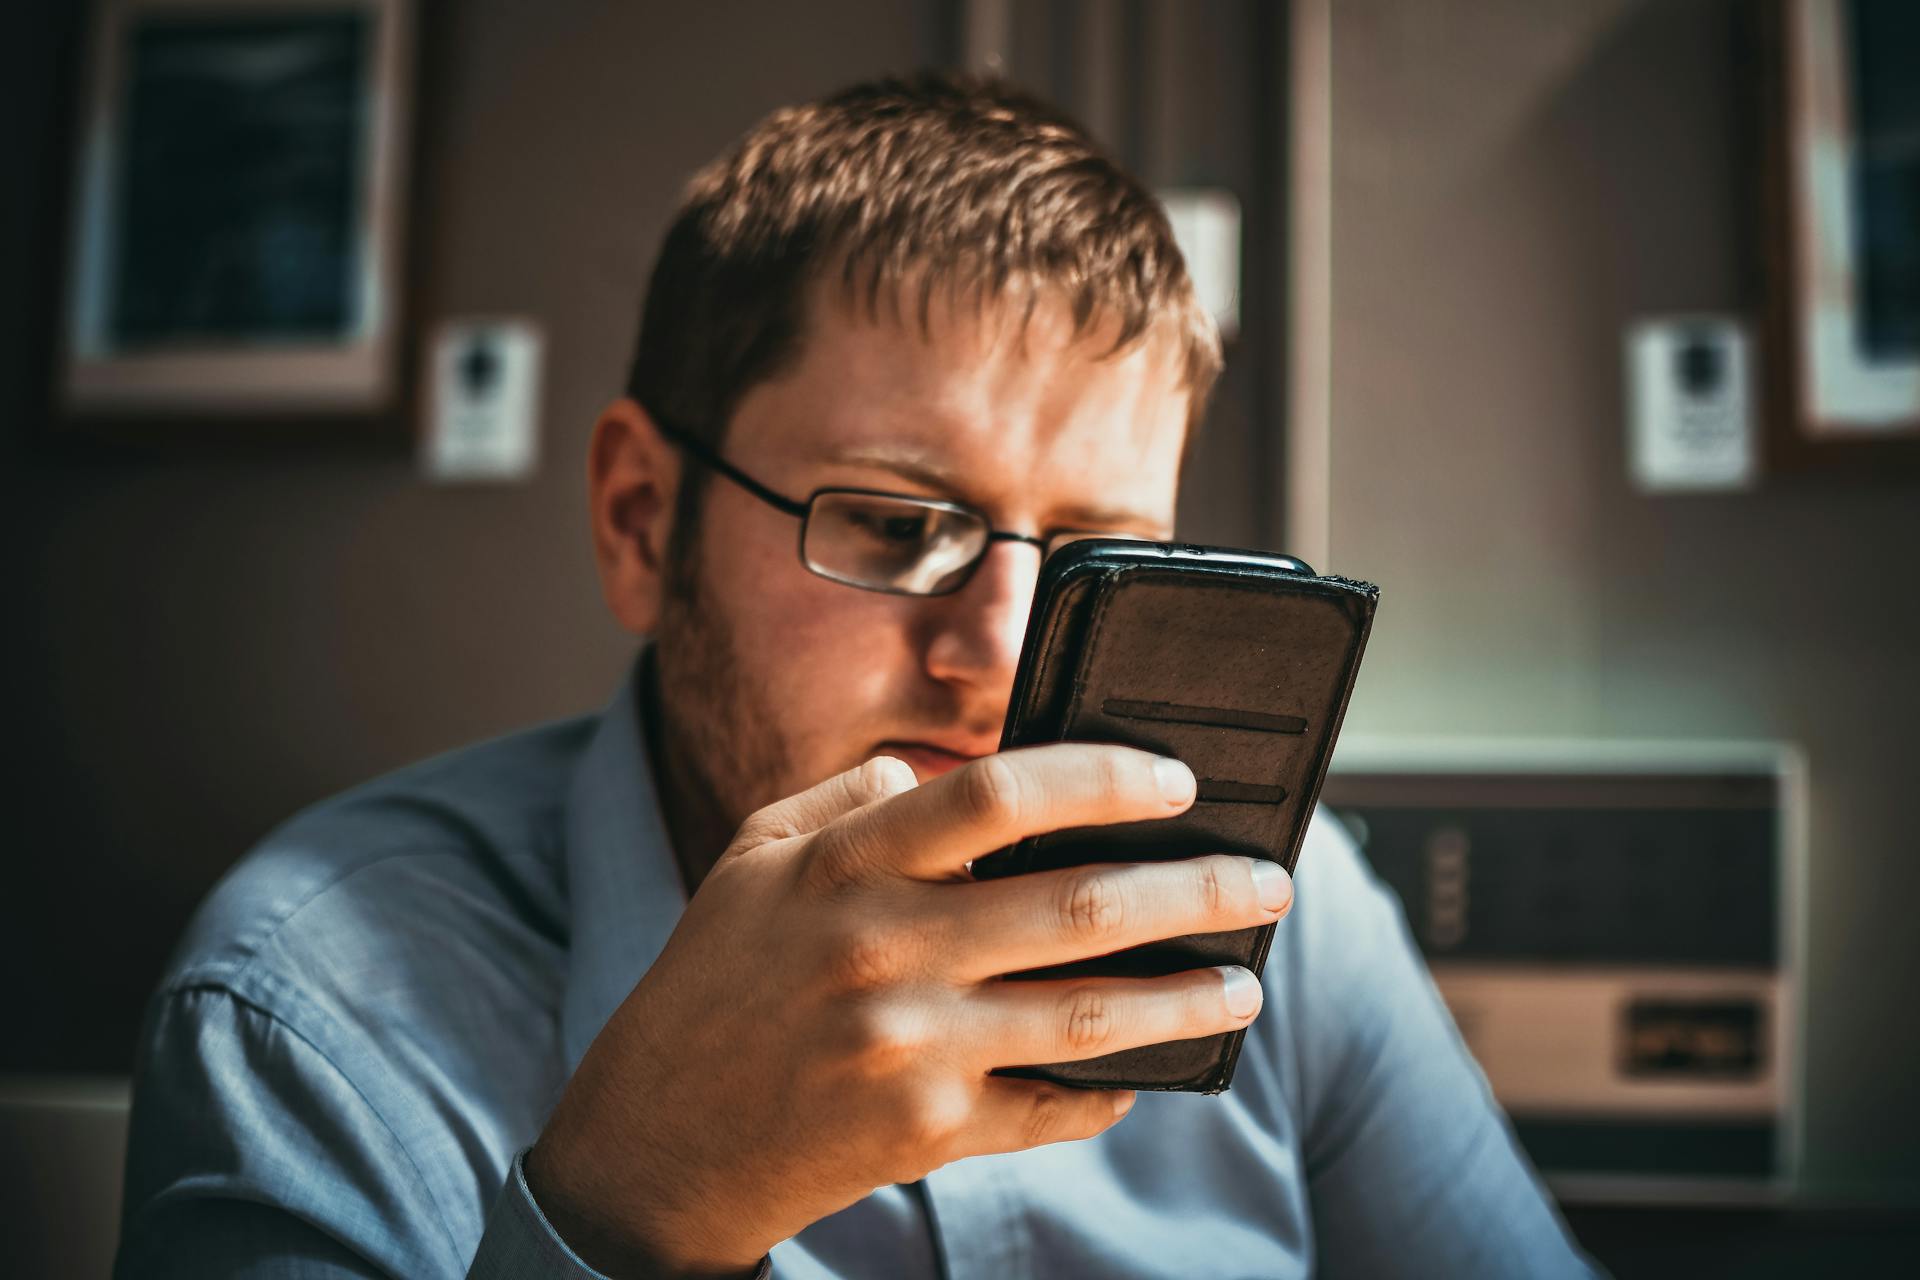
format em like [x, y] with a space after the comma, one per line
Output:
[899, 530]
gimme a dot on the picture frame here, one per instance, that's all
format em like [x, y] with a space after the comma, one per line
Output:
[238, 209]
[1842, 115]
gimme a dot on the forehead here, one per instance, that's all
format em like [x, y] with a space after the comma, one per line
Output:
[1002, 396]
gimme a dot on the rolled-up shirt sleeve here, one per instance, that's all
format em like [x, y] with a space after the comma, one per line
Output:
[253, 1155]
[519, 1241]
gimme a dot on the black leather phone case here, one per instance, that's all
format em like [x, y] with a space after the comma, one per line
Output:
[1240, 664]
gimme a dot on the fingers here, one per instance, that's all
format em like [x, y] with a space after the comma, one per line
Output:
[933, 831]
[814, 808]
[1013, 1114]
[993, 927]
[1034, 1022]
[1028, 1022]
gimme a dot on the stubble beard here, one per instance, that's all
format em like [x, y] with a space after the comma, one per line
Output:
[725, 752]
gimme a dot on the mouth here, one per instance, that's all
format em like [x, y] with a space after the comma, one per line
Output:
[927, 760]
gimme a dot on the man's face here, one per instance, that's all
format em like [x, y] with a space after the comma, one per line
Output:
[775, 678]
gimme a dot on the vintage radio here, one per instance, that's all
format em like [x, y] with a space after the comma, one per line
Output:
[1614, 926]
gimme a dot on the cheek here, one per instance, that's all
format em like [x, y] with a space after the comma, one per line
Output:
[840, 651]
[836, 664]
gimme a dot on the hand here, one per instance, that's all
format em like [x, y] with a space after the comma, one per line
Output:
[824, 1018]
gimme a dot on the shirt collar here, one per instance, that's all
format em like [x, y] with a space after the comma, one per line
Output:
[624, 888]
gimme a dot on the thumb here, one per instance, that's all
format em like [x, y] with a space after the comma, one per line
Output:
[814, 808]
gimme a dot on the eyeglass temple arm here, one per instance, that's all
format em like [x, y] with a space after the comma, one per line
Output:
[693, 445]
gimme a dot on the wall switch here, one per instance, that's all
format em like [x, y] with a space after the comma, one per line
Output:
[483, 401]
[1206, 226]
[1689, 398]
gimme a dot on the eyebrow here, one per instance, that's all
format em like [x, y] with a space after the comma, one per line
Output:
[917, 467]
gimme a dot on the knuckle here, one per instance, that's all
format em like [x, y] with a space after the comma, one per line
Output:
[992, 792]
[935, 1119]
[1088, 1021]
[1124, 773]
[1046, 1116]
[829, 872]
[884, 1038]
[1215, 892]
[763, 826]
[839, 857]
[1204, 1010]
[884, 776]
[864, 959]
[1092, 908]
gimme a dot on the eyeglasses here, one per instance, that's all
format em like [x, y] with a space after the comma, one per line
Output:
[891, 542]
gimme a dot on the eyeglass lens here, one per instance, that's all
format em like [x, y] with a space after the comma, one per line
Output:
[892, 544]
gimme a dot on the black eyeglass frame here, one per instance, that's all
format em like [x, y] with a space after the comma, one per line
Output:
[803, 511]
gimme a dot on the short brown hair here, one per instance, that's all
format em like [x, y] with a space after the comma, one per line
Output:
[933, 183]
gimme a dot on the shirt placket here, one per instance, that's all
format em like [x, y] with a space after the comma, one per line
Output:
[980, 1224]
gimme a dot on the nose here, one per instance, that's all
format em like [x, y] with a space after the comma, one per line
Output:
[977, 631]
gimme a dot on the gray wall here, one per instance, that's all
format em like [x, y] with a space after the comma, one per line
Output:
[1513, 183]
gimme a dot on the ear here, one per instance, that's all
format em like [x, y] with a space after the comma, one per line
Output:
[633, 478]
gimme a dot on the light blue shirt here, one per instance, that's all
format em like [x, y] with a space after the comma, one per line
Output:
[372, 1015]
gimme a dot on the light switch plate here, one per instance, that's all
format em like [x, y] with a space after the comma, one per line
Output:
[1206, 226]
[483, 401]
[1690, 405]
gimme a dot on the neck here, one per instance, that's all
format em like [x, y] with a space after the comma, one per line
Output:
[696, 823]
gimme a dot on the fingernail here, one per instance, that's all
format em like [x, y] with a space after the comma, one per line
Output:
[1123, 1101]
[1175, 780]
[1243, 991]
[1272, 883]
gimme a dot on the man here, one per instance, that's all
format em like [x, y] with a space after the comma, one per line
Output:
[704, 979]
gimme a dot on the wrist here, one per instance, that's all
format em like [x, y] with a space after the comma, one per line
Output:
[576, 1204]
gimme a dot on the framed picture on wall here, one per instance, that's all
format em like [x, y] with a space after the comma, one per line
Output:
[236, 243]
[1844, 286]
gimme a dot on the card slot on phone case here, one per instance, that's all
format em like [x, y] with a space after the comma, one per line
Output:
[1216, 717]
[1223, 791]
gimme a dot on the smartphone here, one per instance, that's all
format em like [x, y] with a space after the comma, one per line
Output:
[1240, 664]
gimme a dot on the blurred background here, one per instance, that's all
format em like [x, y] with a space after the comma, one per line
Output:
[1526, 306]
